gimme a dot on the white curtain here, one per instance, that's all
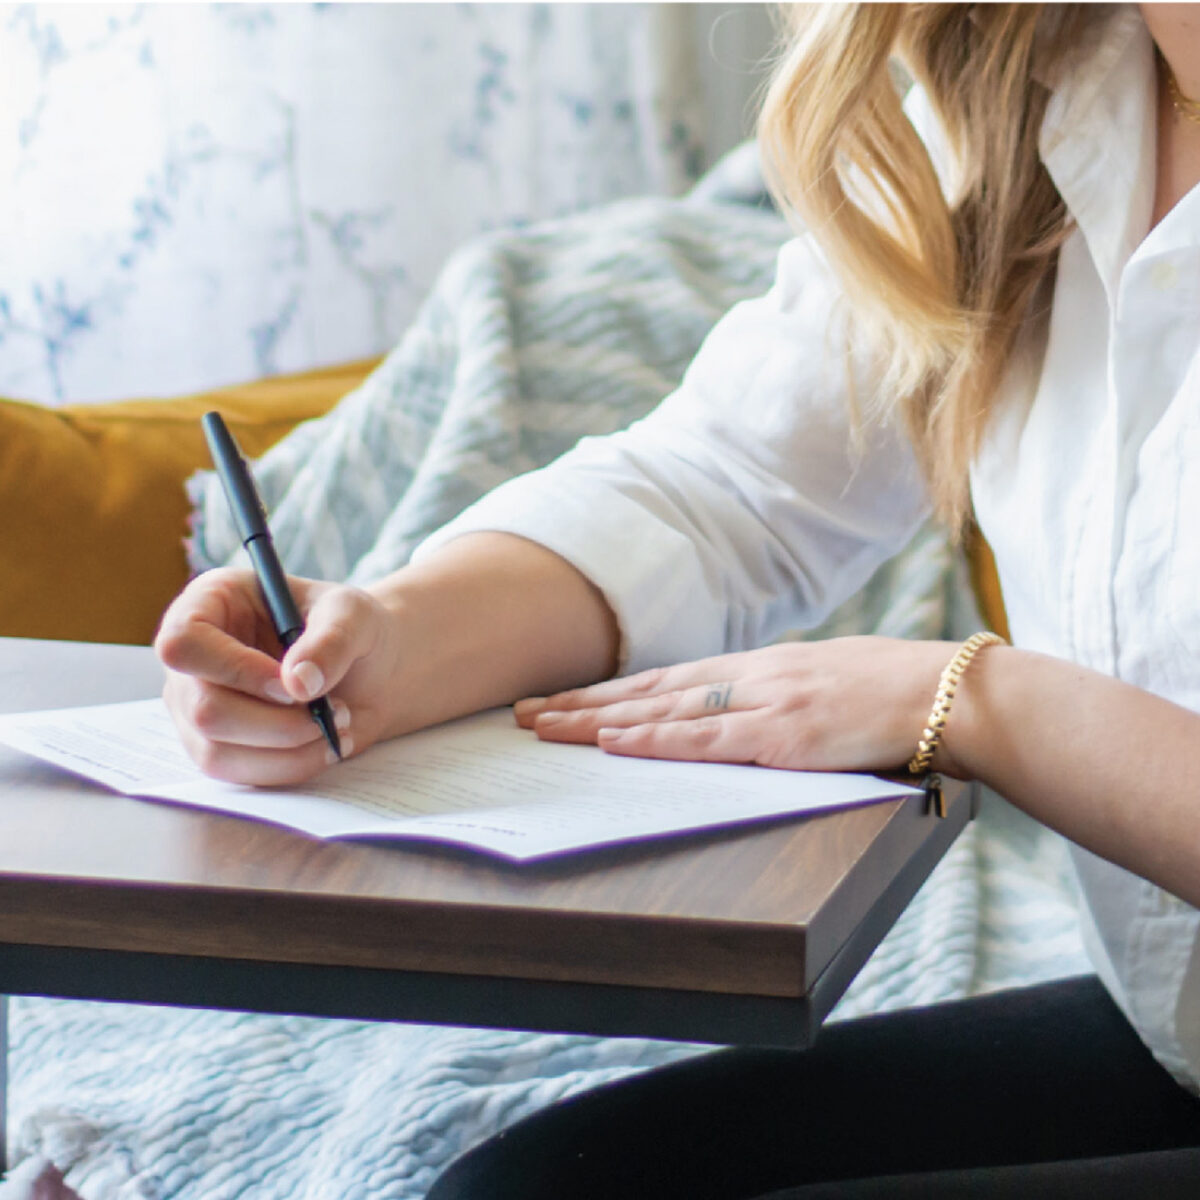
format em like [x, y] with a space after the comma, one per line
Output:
[199, 194]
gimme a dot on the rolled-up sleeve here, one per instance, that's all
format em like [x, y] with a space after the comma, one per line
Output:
[743, 505]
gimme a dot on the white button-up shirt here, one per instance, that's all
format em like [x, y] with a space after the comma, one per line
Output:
[741, 507]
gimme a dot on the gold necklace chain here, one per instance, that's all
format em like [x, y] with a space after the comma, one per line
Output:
[1185, 106]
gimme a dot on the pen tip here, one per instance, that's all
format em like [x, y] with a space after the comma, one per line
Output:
[323, 715]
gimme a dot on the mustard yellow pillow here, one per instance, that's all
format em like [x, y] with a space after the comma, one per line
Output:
[93, 511]
[985, 581]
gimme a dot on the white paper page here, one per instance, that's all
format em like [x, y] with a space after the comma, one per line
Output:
[479, 782]
[130, 747]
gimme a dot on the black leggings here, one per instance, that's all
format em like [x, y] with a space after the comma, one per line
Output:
[1037, 1092]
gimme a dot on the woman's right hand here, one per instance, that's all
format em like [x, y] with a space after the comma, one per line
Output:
[241, 710]
[486, 619]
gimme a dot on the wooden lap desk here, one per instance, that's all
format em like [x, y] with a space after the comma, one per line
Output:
[745, 936]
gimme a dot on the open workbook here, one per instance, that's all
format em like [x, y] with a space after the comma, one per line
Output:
[480, 782]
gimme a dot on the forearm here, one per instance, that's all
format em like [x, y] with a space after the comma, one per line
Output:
[486, 620]
[1109, 765]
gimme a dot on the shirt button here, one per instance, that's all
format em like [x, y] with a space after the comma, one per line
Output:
[1164, 276]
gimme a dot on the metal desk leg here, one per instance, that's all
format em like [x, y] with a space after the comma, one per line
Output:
[3, 1083]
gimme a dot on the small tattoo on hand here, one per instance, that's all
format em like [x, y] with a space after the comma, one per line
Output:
[718, 696]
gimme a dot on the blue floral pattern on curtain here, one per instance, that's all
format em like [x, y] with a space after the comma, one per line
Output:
[201, 194]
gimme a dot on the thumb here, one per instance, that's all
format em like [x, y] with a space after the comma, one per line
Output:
[342, 626]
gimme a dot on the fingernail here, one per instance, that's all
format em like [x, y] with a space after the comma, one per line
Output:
[341, 714]
[277, 692]
[311, 679]
[611, 734]
[532, 704]
[550, 718]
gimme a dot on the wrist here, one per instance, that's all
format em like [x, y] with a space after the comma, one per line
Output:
[952, 708]
[409, 653]
[486, 620]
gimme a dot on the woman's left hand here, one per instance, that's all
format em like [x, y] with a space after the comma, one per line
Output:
[847, 704]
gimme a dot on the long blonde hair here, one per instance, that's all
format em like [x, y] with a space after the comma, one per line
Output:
[945, 279]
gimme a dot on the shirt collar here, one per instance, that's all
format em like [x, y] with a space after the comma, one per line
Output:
[1098, 137]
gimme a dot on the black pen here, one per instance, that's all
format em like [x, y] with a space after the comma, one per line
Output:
[251, 520]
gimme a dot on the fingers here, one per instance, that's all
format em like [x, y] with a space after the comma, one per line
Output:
[220, 714]
[211, 632]
[241, 739]
[257, 765]
[341, 628]
[656, 682]
[730, 738]
[689, 704]
[749, 707]
[216, 630]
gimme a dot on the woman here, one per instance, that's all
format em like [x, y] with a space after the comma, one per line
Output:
[997, 306]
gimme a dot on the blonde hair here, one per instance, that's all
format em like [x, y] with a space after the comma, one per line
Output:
[944, 279]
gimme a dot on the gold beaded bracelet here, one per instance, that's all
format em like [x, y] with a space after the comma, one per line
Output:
[947, 686]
